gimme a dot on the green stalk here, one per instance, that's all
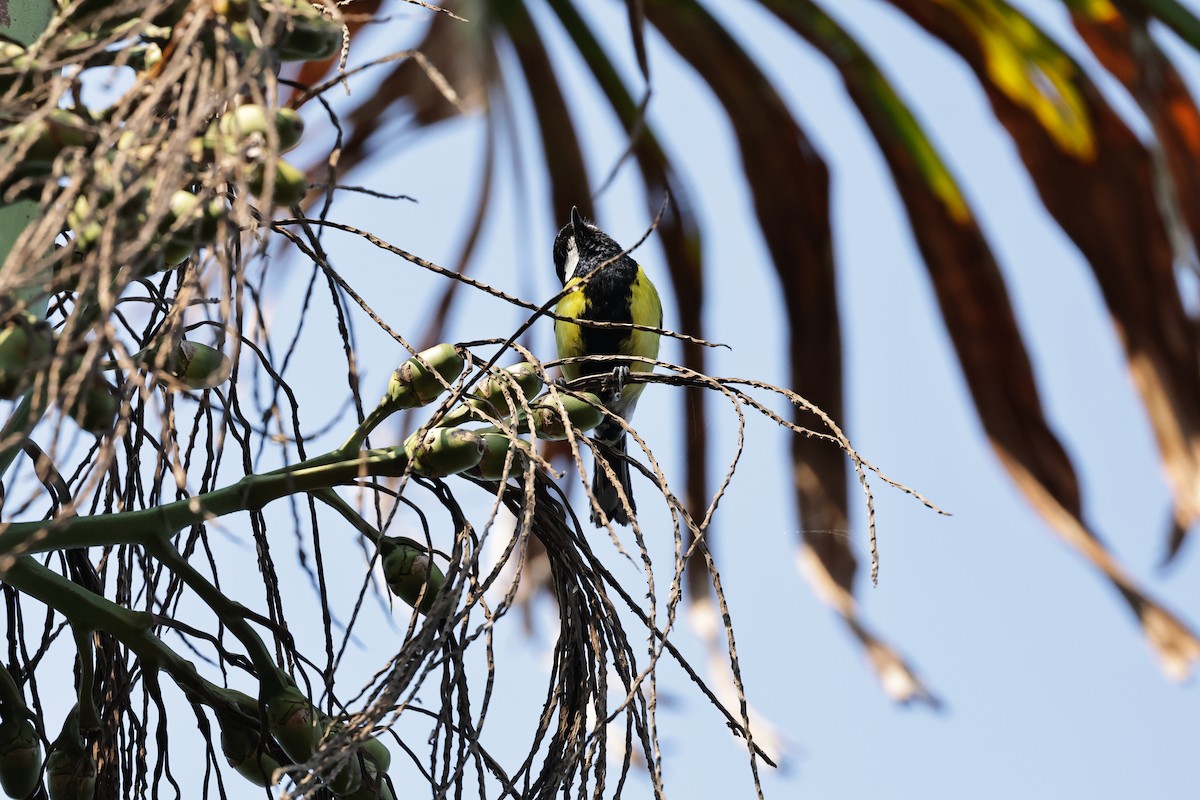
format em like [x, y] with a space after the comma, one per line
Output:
[370, 423]
[18, 421]
[83, 609]
[231, 613]
[144, 526]
[89, 715]
[332, 499]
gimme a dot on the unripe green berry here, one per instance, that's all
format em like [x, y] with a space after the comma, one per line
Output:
[71, 774]
[20, 757]
[409, 571]
[443, 451]
[294, 724]
[241, 748]
[496, 449]
[583, 412]
[415, 384]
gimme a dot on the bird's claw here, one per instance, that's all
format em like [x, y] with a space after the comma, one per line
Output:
[615, 384]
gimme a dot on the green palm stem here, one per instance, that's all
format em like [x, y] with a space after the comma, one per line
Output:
[19, 421]
[385, 544]
[360, 434]
[88, 611]
[146, 526]
[332, 499]
[89, 714]
[231, 613]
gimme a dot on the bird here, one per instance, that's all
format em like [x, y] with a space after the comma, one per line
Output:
[606, 286]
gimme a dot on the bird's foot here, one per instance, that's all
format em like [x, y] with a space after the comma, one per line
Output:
[614, 385]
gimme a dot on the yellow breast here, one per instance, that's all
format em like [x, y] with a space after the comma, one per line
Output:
[645, 309]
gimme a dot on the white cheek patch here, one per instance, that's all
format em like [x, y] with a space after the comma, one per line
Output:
[572, 260]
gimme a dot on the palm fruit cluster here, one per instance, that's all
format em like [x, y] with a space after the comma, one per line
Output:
[300, 728]
[155, 194]
[509, 395]
[506, 404]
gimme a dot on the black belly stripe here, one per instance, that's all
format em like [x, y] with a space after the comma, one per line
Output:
[609, 296]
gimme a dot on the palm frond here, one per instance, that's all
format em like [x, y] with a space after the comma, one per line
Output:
[1095, 178]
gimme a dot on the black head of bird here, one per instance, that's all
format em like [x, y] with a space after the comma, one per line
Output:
[580, 243]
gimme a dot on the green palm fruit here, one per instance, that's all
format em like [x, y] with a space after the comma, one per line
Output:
[240, 37]
[308, 34]
[18, 68]
[199, 366]
[25, 345]
[184, 207]
[415, 384]
[496, 447]
[376, 751]
[60, 129]
[139, 147]
[347, 780]
[84, 224]
[583, 412]
[527, 383]
[241, 746]
[20, 757]
[196, 365]
[71, 774]
[289, 126]
[232, 10]
[193, 221]
[145, 57]
[48, 136]
[348, 777]
[521, 381]
[236, 126]
[175, 253]
[408, 571]
[294, 723]
[291, 183]
[374, 787]
[443, 451]
[96, 406]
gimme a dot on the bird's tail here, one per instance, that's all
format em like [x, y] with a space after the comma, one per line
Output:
[612, 451]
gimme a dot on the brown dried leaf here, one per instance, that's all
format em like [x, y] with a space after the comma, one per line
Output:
[1125, 48]
[1100, 192]
[794, 217]
[448, 79]
[563, 156]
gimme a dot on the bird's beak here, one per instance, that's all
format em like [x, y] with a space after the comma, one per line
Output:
[577, 222]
